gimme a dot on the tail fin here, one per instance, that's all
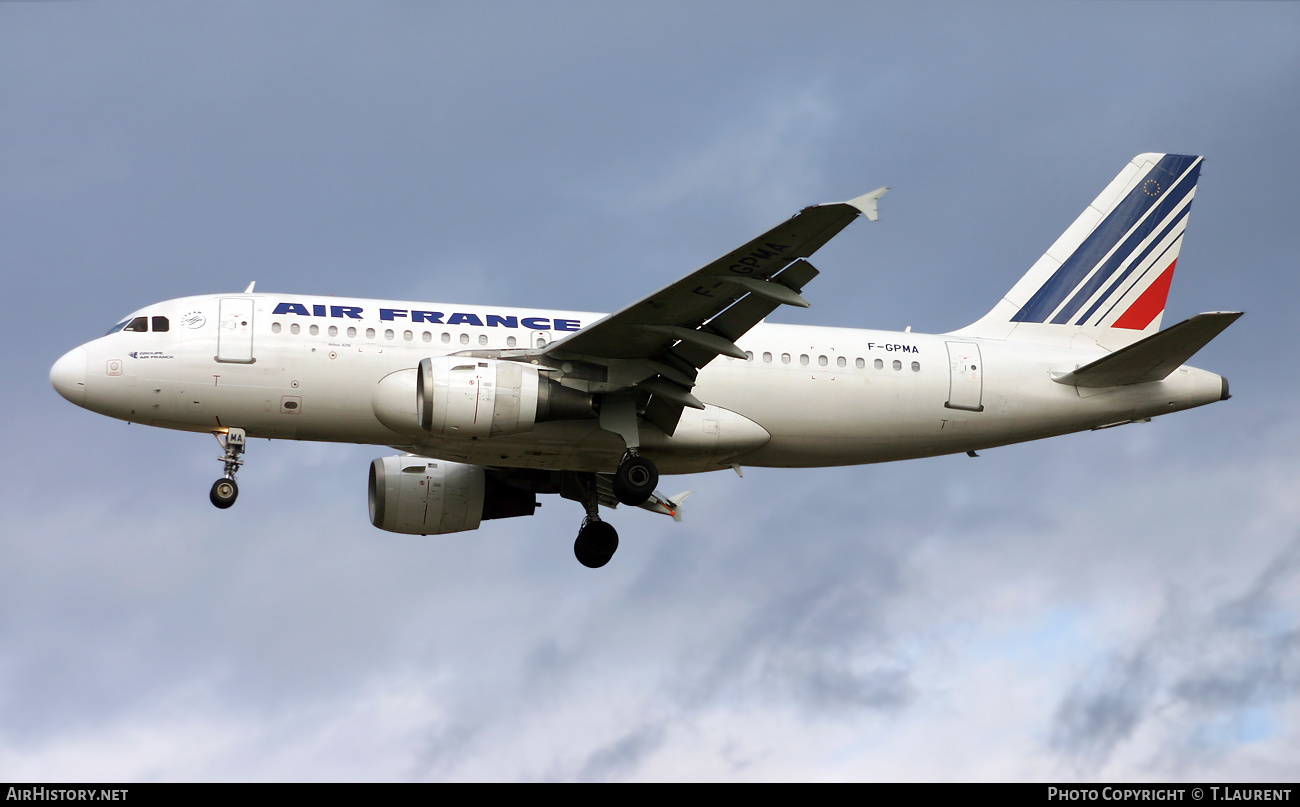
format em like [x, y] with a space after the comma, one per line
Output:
[1107, 277]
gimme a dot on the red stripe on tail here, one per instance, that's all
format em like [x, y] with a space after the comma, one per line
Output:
[1150, 304]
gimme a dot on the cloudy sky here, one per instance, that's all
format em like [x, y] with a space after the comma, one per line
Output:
[1122, 605]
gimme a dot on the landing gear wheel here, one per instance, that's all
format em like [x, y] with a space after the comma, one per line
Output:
[596, 544]
[224, 492]
[635, 480]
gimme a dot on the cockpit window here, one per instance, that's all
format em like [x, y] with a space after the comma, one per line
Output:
[141, 325]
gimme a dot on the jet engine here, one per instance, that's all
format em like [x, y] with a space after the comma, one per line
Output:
[422, 496]
[460, 396]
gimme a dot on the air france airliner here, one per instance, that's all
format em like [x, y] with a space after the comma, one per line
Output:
[492, 406]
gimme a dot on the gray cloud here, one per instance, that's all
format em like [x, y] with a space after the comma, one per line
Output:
[623, 756]
[1199, 667]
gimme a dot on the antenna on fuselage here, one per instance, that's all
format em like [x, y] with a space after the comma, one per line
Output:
[249, 290]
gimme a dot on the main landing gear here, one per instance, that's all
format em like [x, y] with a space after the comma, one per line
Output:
[596, 540]
[224, 490]
[635, 479]
[633, 484]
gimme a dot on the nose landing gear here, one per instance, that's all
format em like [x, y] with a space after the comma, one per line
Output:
[224, 490]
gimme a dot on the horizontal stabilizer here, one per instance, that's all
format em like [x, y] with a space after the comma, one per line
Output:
[1152, 358]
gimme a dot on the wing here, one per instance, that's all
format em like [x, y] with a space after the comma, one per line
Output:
[656, 347]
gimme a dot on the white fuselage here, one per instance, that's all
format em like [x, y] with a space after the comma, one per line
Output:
[310, 368]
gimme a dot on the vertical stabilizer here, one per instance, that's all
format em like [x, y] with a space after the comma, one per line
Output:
[1107, 277]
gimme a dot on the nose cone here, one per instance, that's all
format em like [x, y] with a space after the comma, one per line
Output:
[68, 375]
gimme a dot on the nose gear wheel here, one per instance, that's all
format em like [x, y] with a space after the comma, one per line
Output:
[224, 492]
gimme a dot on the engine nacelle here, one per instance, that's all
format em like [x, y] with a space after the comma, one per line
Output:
[459, 396]
[422, 496]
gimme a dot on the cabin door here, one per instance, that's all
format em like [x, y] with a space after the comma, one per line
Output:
[965, 377]
[235, 334]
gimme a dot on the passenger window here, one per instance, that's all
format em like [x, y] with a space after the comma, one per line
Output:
[408, 336]
[275, 327]
[749, 355]
[767, 357]
[446, 337]
[510, 341]
[898, 365]
[352, 332]
[427, 337]
[803, 359]
[785, 358]
[314, 329]
[464, 339]
[821, 360]
[860, 362]
[880, 365]
[842, 362]
[161, 325]
[370, 333]
[916, 367]
[482, 339]
[334, 330]
[388, 334]
[294, 328]
[138, 325]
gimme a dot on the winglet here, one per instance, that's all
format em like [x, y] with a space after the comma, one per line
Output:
[670, 506]
[866, 203]
[676, 502]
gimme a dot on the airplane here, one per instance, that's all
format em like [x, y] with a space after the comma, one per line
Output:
[494, 406]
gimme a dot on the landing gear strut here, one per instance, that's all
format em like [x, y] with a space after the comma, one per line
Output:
[597, 540]
[224, 490]
[635, 479]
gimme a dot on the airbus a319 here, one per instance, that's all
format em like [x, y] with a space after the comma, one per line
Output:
[493, 406]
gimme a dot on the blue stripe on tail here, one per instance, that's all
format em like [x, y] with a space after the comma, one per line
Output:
[1169, 202]
[1141, 259]
[1153, 192]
